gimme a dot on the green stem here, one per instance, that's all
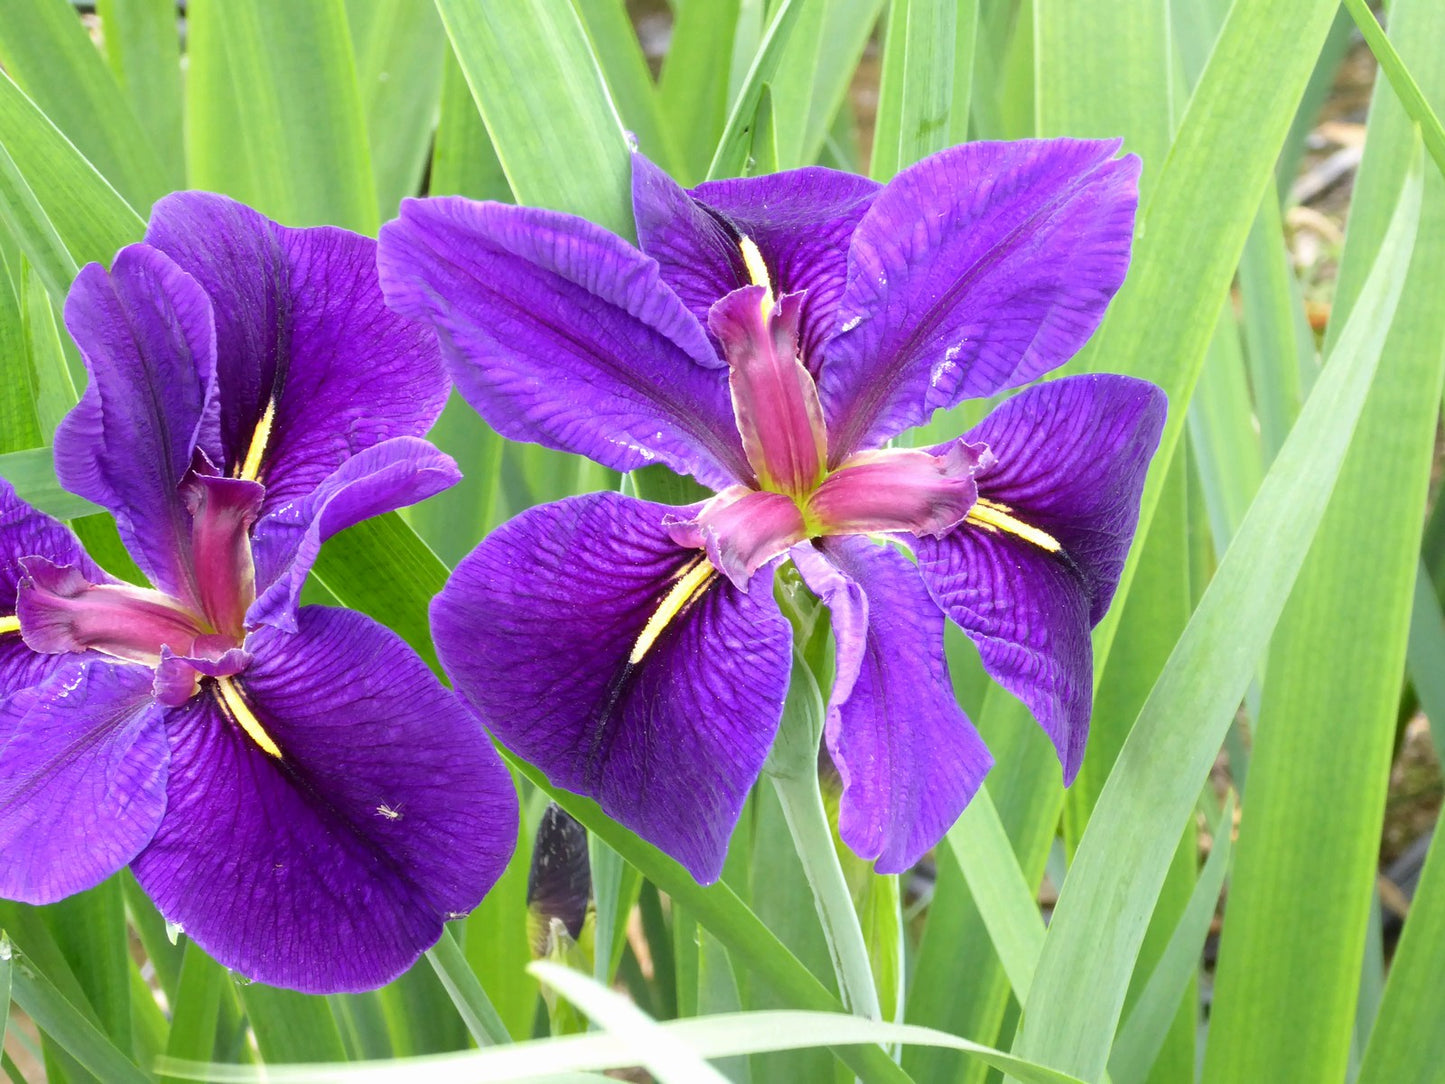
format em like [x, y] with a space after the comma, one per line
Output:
[466, 992]
[813, 837]
[1401, 81]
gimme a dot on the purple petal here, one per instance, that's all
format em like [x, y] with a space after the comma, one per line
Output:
[558, 332]
[386, 476]
[800, 220]
[334, 867]
[1071, 458]
[909, 758]
[82, 779]
[980, 268]
[146, 333]
[299, 320]
[554, 627]
[25, 532]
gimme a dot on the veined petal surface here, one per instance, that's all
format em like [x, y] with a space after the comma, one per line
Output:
[332, 868]
[1070, 461]
[302, 331]
[909, 758]
[27, 532]
[977, 269]
[801, 221]
[83, 761]
[146, 333]
[561, 333]
[622, 665]
[383, 478]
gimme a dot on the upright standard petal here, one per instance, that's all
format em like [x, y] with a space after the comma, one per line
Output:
[977, 269]
[312, 366]
[83, 761]
[385, 477]
[800, 221]
[146, 333]
[26, 532]
[622, 665]
[333, 866]
[909, 758]
[1034, 566]
[558, 332]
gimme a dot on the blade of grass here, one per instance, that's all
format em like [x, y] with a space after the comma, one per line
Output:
[692, 89]
[1144, 1029]
[273, 112]
[67, 1026]
[1099, 922]
[400, 46]
[1401, 81]
[731, 159]
[1406, 1044]
[143, 46]
[19, 417]
[466, 992]
[544, 100]
[1325, 735]
[47, 51]
[291, 1027]
[916, 86]
[197, 1007]
[619, 55]
[90, 929]
[1425, 655]
[812, 80]
[78, 206]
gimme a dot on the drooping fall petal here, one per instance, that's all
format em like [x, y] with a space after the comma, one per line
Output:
[909, 758]
[1058, 507]
[332, 867]
[622, 665]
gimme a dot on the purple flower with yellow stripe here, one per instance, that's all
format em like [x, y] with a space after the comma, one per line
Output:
[291, 785]
[769, 336]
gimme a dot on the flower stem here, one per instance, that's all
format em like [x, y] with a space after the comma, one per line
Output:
[466, 992]
[808, 822]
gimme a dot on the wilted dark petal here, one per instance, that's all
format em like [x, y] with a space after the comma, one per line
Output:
[800, 220]
[82, 778]
[909, 758]
[146, 334]
[384, 477]
[621, 665]
[334, 867]
[1071, 458]
[980, 268]
[559, 332]
[300, 322]
[25, 532]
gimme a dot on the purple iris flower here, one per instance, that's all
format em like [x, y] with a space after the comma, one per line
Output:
[292, 786]
[768, 337]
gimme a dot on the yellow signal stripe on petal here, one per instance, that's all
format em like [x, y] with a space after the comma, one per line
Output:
[691, 582]
[251, 468]
[240, 712]
[9, 624]
[996, 517]
[757, 271]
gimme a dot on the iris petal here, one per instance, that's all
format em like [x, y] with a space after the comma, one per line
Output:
[331, 868]
[25, 532]
[1071, 458]
[302, 331]
[909, 758]
[559, 332]
[800, 220]
[623, 667]
[83, 764]
[146, 333]
[977, 269]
